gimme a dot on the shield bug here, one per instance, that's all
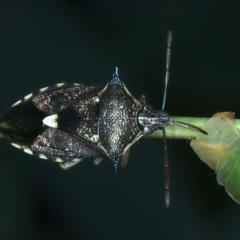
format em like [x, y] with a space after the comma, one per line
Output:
[69, 122]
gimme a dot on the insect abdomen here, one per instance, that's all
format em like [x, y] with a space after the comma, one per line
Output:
[22, 123]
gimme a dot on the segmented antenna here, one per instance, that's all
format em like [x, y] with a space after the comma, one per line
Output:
[166, 161]
[168, 55]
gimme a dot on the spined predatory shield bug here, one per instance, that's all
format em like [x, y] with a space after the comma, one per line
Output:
[69, 122]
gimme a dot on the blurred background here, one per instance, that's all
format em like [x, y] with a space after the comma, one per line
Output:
[51, 41]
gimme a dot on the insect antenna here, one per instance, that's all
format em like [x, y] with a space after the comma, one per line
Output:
[168, 55]
[166, 161]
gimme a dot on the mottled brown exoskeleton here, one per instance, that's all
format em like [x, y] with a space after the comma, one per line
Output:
[69, 122]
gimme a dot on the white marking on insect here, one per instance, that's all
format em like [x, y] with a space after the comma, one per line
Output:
[16, 145]
[58, 159]
[41, 90]
[42, 156]
[28, 97]
[92, 137]
[16, 103]
[77, 159]
[76, 84]
[28, 150]
[51, 121]
[104, 114]
[59, 85]
[95, 138]
[96, 99]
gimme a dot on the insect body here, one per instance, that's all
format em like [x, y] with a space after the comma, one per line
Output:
[69, 122]
[66, 123]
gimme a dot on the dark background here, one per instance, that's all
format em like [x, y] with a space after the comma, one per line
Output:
[46, 42]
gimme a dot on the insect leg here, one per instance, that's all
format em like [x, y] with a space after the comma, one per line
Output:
[67, 165]
[142, 99]
[97, 161]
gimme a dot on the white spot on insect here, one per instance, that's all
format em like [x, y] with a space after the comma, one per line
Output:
[92, 137]
[16, 103]
[28, 97]
[76, 84]
[77, 160]
[28, 150]
[96, 99]
[95, 138]
[51, 121]
[58, 159]
[104, 113]
[42, 156]
[59, 85]
[16, 145]
[43, 89]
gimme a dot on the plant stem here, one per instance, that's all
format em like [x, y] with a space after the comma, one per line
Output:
[176, 132]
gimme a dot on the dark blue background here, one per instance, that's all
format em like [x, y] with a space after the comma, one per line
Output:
[46, 42]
